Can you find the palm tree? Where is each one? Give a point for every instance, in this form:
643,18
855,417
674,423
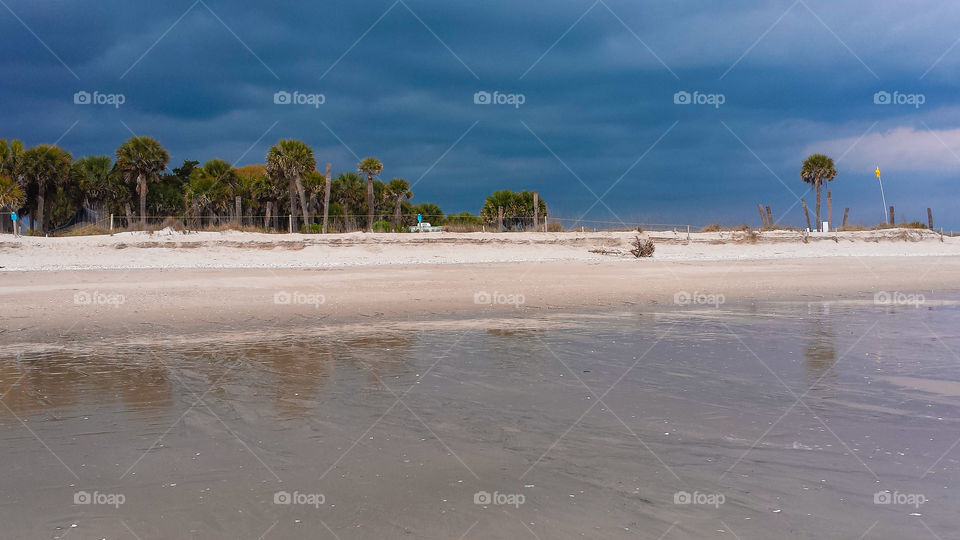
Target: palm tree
142,159
371,168
291,160
94,178
11,196
40,167
10,154
816,170
262,189
398,190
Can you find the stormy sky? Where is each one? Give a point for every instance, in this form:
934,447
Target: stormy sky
588,91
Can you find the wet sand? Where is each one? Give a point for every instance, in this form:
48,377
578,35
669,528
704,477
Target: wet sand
598,421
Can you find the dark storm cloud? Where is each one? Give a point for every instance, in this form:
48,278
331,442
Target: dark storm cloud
796,77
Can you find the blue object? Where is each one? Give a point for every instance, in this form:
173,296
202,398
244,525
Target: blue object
419,218
14,216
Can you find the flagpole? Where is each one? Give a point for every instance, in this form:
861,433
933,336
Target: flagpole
886,217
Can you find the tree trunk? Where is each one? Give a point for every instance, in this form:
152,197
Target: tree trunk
396,212
291,190
129,213
41,202
369,204
142,189
303,203
326,200
818,205
266,221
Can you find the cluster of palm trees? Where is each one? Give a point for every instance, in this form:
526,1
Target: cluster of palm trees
46,184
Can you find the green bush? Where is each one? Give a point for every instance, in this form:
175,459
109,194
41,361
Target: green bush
382,226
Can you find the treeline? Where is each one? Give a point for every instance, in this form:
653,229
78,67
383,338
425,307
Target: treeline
45,183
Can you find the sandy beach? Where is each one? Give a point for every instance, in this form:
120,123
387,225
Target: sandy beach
193,283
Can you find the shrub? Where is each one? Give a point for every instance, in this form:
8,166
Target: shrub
382,226
642,247
713,227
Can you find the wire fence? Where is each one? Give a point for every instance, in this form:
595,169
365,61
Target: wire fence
340,223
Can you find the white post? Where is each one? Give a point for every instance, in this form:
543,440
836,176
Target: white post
886,216
290,219
111,224
688,233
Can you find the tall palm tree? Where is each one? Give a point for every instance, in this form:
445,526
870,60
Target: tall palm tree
142,159
816,170
291,160
398,191
371,168
41,167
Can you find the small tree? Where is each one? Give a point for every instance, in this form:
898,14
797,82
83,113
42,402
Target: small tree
816,170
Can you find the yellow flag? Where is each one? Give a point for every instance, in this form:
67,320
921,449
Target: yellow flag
878,172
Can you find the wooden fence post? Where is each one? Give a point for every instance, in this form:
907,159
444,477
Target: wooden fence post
846,214
326,200
238,209
930,218
893,220
769,216
763,217
806,213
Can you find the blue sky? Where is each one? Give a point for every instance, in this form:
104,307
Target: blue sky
598,133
